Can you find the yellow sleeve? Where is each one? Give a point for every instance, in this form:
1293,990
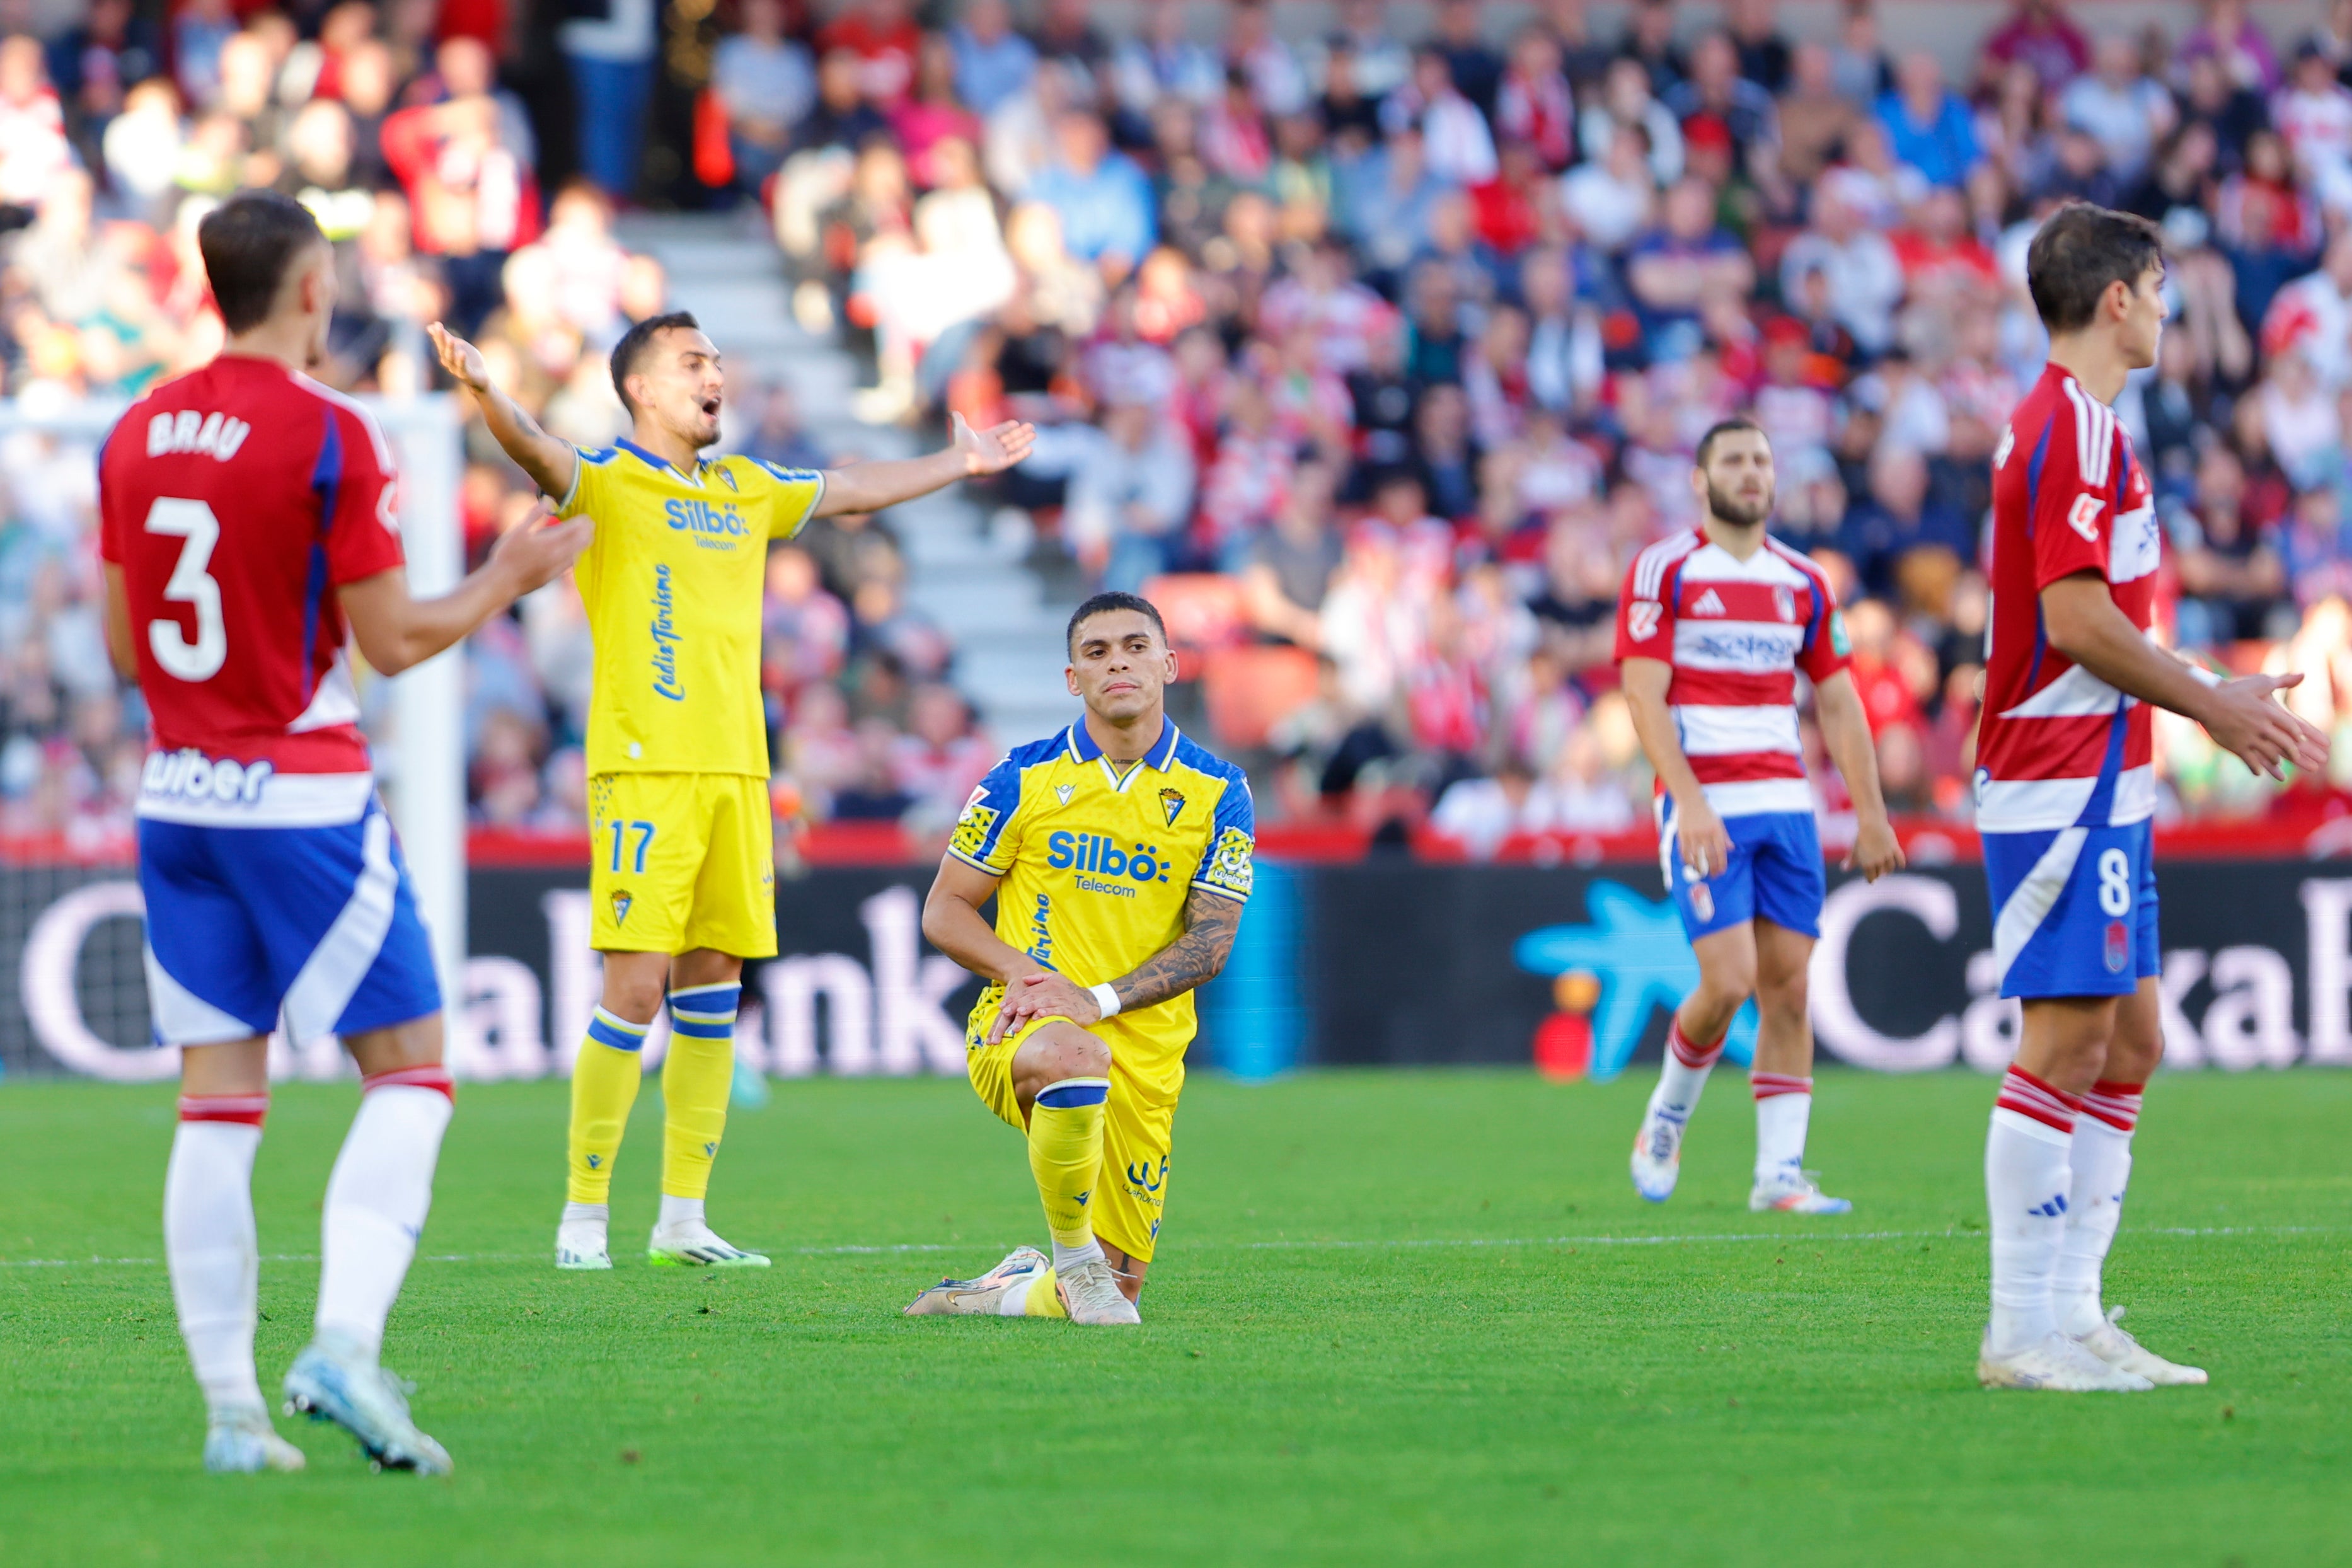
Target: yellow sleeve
591,484
791,495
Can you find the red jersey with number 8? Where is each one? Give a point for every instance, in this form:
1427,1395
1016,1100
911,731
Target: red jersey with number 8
238,499
2057,745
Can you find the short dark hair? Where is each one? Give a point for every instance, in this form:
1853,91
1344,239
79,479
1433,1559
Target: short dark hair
249,242
1723,427
2079,250
1112,599
637,342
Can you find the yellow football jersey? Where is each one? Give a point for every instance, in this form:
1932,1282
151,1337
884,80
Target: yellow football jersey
672,586
1096,869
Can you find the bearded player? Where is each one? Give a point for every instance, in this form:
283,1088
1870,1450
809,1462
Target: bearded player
1119,855
248,524
2065,790
1712,627
682,872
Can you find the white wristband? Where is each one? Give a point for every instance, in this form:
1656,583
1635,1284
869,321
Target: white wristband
1105,998
2205,677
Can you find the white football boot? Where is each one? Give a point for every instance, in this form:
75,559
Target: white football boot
581,1242
1002,1292
1794,1192
243,1443
2058,1365
1090,1294
1658,1153
2111,1344
692,1244
333,1381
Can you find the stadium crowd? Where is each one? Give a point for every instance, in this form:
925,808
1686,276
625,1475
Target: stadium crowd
1374,357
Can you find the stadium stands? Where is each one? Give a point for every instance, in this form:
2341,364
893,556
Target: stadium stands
1373,358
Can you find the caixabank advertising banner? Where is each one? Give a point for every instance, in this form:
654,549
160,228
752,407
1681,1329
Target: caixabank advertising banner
1380,963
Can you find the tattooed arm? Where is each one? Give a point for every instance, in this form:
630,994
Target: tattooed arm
1194,959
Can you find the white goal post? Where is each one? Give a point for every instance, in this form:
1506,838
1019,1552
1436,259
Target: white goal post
421,757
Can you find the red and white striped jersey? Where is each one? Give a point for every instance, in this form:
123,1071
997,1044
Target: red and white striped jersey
2057,746
236,499
1736,633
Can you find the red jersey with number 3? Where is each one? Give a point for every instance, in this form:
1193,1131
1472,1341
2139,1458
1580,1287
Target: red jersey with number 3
2057,745
238,499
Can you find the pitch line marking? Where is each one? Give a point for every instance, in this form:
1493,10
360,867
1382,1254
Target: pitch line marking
1339,1245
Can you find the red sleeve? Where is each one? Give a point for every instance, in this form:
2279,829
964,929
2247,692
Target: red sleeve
363,529
2073,500
1646,626
1827,649
112,546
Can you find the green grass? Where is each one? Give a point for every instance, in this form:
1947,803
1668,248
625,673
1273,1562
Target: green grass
1475,1376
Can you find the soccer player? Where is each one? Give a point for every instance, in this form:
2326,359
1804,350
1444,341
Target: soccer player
1712,625
1119,856
2065,787
683,869
249,527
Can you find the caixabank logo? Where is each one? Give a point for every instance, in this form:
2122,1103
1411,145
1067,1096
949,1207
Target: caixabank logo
1608,974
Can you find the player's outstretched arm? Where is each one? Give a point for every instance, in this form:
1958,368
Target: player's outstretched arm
553,464
1211,920
1845,731
396,632
1705,843
2082,623
870,487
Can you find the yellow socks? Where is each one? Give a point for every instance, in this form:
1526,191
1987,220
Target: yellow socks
603,1088
1065,1144
696,1080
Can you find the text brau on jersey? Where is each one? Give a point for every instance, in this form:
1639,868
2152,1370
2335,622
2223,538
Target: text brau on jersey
214,435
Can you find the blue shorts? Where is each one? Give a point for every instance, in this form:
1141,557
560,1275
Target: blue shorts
1775,873
2074,909
245,923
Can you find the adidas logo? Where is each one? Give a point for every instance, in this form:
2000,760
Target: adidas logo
2053,1209
1708,604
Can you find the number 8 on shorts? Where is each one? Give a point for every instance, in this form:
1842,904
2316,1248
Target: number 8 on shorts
2074,910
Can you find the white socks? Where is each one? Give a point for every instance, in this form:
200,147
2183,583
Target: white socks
2027,1181
680,1211
377,1200
1784,1106
210,1243
1685,1073
2102,1165
597,1213
1068,1257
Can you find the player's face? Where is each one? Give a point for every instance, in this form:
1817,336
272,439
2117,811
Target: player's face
1737,482
681,384
2144,313
1119,664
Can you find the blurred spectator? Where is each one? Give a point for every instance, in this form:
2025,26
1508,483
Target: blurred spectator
2039,36
2231,580
992,62
2118,107
609,47
885,41
1927,126
768,85
1102,198
1129,496
2231,38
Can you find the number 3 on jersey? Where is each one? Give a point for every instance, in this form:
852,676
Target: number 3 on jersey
191,584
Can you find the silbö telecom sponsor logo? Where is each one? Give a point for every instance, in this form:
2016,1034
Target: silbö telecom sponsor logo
1096,857
666,638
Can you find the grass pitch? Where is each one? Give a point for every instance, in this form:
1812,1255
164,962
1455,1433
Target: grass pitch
1399,1317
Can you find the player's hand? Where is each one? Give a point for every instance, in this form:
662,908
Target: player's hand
1875,850
995,449
538,550
461,359
1699,834
2246,722
1048,995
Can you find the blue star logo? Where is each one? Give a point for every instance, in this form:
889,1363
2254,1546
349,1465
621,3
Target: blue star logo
1643,960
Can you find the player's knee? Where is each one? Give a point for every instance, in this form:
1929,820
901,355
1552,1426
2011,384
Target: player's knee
636,997
1782,995
1723,986
1074,1053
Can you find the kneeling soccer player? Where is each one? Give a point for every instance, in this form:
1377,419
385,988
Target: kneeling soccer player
1119,855
1713,625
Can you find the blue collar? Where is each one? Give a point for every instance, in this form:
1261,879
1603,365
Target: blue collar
650,460
1163,753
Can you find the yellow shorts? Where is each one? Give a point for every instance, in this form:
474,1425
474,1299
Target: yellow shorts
682,860
1139,1126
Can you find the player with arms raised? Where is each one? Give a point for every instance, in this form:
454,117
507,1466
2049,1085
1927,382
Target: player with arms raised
1119,855
1712,626
248,518
2065,790
683,873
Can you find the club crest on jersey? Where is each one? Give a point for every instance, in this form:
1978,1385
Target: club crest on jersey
2118,952
1172,804
1702,900
1642,619
621,902
1063,792
1784,604
1708,604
